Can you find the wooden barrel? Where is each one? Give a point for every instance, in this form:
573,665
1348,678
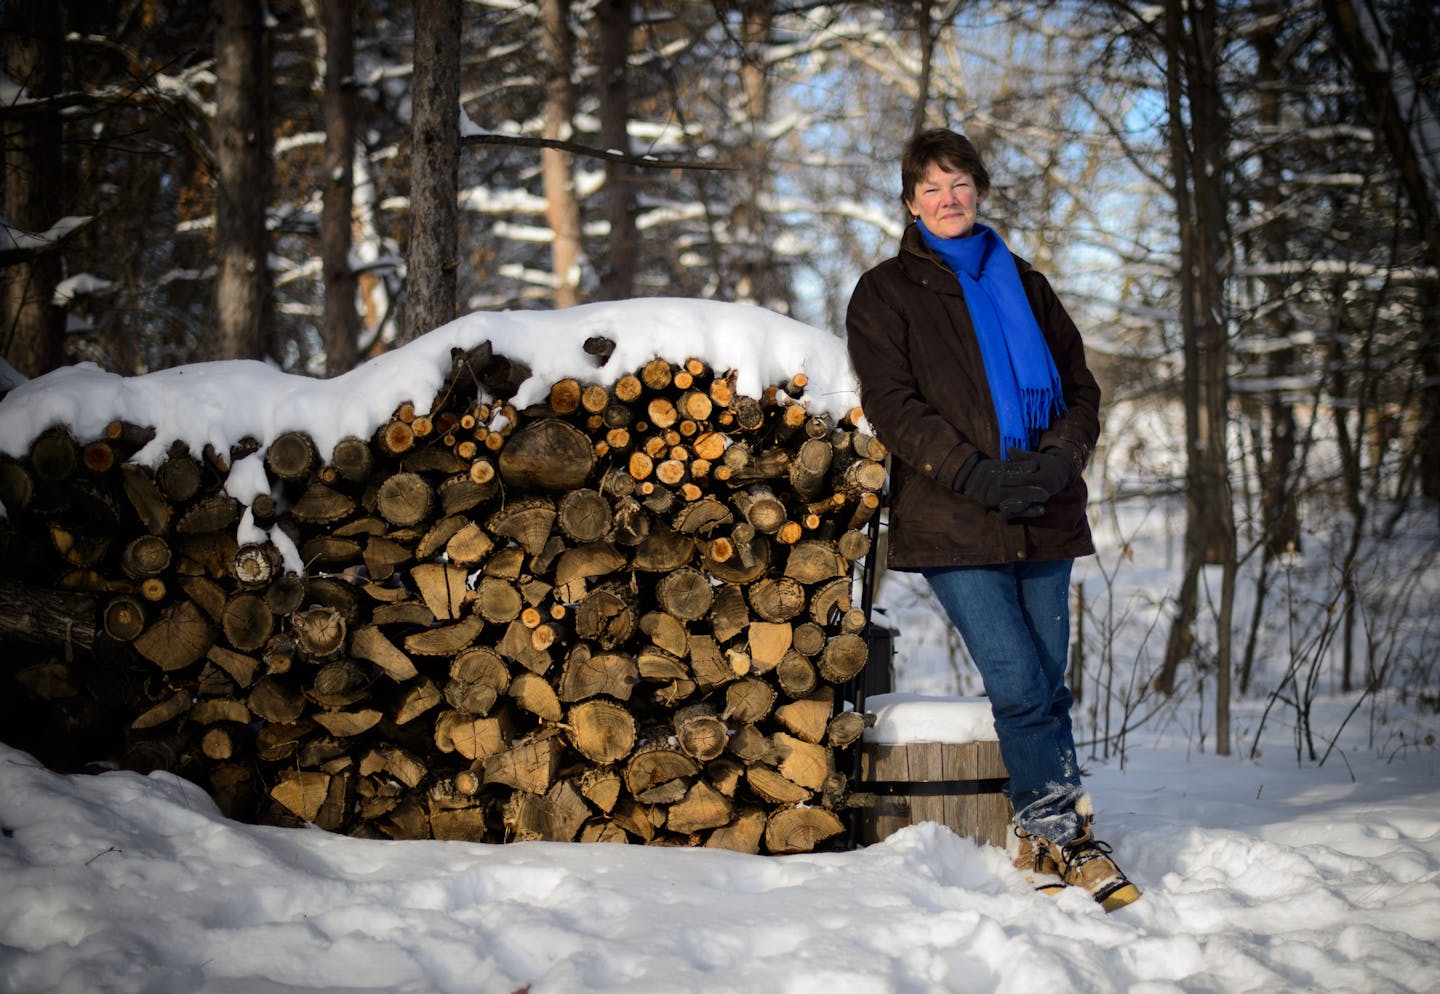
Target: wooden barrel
958,784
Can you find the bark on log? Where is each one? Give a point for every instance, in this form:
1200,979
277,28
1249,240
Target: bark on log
51,619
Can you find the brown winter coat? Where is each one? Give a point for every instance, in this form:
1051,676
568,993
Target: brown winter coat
923,388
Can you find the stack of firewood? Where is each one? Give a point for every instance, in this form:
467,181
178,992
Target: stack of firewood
623,615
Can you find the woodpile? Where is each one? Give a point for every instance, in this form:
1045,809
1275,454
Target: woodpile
622,615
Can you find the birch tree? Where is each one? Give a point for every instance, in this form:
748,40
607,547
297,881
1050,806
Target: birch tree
562,209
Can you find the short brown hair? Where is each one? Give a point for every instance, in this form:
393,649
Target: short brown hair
946,148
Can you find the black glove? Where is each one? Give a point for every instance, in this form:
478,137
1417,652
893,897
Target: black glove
1051,470
1006,487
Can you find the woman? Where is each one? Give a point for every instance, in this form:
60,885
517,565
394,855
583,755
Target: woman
974,377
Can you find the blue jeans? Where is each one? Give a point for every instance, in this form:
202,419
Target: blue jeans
1015,620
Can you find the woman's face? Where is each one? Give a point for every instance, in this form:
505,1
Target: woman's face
946,200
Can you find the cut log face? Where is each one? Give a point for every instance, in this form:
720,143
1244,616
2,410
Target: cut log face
527,521
178,638
796,830
320,631
602,731
124,618
146,555
321,504
404,499
534,693
585,561
777,598
685,593
584,516
607,616
623,613
702,807
586,675
302,792
550,455
655,765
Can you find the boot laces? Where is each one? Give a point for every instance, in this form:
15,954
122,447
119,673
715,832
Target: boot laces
1037,852
1083,850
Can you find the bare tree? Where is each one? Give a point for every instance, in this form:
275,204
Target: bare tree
33,326
243,162
432,256
341,327
562,209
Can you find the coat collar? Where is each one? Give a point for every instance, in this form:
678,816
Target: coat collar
920,263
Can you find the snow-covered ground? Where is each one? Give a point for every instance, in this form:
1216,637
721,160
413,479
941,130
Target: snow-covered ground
1258,876
1271,874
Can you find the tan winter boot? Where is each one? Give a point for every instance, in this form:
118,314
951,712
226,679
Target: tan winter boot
1031,855
1085,862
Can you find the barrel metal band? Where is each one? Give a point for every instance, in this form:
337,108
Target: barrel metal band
933,788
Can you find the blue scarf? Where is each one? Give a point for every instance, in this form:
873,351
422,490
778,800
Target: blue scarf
1024,383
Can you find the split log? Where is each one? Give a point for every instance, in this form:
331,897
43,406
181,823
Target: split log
587,675
527,521
808,717
369,643
702,807
533,693
442,587
742,834
530,765
796,830
178,638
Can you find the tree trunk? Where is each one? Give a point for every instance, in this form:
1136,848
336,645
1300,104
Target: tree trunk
617,279
341,329
1198,160
926,38
557,167
242,151
1406,111
1280,513
432,257
758,278
33,326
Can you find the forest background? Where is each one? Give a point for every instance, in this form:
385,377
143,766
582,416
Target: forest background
1239,202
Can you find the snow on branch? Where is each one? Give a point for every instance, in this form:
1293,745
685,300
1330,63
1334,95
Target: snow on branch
607,154
17,244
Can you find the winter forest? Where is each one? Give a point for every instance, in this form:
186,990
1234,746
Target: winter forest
242,239
1240,202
